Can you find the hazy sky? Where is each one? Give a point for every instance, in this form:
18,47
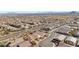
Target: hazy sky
39,5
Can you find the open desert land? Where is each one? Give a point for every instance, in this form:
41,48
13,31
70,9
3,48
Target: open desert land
39,30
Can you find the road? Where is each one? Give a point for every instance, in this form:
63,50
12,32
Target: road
18,33
47,42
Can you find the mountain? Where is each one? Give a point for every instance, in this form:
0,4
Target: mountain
38,13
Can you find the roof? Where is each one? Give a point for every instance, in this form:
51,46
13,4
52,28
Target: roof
64,29
70,38
60,36
75,33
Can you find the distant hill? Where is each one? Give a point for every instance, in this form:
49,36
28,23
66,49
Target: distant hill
40,13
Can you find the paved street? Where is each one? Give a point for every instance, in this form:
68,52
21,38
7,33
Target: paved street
47,42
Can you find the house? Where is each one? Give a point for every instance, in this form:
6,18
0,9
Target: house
64,30
71,40
60,37
75,33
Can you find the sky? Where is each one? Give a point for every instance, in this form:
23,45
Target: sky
38,5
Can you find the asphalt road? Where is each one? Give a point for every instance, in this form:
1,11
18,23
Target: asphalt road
47,42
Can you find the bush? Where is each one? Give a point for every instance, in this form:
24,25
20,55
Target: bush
46,29
4,44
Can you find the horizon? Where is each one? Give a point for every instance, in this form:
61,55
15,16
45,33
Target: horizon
39,11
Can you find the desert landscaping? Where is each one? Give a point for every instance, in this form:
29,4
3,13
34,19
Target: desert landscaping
39,31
